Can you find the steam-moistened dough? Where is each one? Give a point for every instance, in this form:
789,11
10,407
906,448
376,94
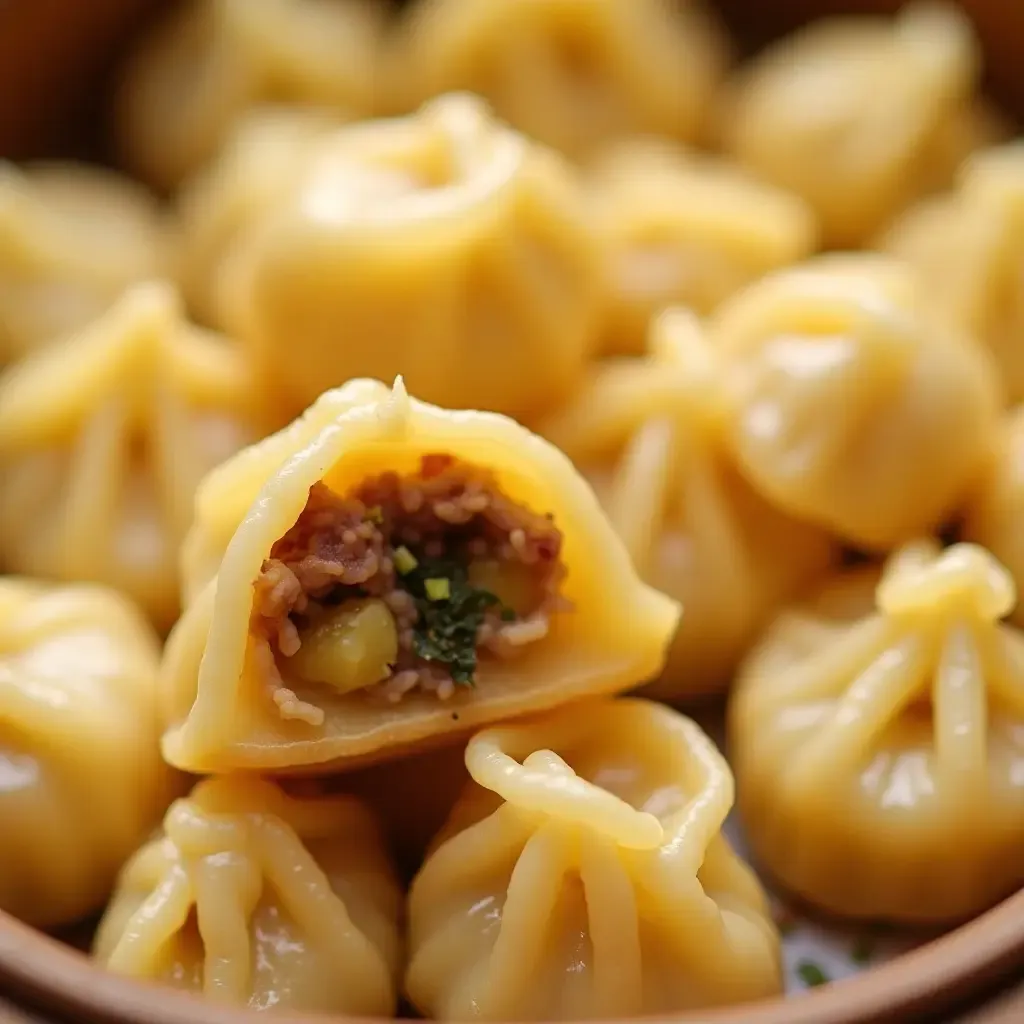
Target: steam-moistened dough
211,60
261,900
262,153
877,734
103,439
82,779
686,230
571,73
71,238
647,434
852,402
860,115
417,572
584,875
969,249
442,246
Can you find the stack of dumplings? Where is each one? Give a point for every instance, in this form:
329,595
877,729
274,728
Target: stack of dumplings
455,400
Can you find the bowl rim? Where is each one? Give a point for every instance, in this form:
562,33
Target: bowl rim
44,974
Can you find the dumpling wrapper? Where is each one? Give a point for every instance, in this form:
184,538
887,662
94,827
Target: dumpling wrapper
852,403
584,874
877,735
83,783
219,712
648,435
258,899
104,437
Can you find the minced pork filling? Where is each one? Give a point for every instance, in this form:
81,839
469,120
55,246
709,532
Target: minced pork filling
462,569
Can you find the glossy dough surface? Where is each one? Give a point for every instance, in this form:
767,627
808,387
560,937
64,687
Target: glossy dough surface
81,780
852,403
877,735
222,714
262,900
584,874
648,435
443,246
103,439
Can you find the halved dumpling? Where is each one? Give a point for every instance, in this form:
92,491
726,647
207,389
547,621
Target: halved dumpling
392,573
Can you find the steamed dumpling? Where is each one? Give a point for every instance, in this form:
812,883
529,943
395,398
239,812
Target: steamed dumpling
72,237
584,875
852,403
648,435
261,900
571,73
83,783
442,246
877,734
103,439
384,573
210,61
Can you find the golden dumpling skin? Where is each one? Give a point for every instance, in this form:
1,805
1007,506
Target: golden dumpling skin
104,437
374,486
210,61
72,237
686,230
442,246
877,735
852,402
647,433
261,900
584,874
573,74
83,783
860,115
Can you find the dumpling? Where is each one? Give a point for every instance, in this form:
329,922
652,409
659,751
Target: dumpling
851,402
383,574
647,434
260,156
71,238
103,439
860,115
686,230
442,246
969,249
83,783
259,899
211,60
584,875
571,73
877,735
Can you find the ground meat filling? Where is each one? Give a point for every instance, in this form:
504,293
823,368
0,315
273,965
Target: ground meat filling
426,545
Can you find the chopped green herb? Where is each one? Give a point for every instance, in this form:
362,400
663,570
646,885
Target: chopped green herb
508,615
811,974
438,588
405,561
375,514
863,950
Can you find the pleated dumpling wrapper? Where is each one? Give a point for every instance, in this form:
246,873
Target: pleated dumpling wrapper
573,74
969,248
392,573
104,437
584,875
210,61
877,734
72,238
647,434
83,783
860,115
442,246
682,229
262,900
852,402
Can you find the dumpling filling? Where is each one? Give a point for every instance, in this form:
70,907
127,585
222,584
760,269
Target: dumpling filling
404,584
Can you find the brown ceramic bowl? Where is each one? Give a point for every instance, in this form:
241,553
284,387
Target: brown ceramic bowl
53,58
